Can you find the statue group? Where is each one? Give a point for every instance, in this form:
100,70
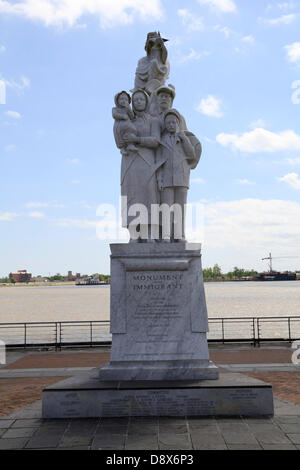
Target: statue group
159,358
157,151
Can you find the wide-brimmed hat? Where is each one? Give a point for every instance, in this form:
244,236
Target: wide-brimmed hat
167,89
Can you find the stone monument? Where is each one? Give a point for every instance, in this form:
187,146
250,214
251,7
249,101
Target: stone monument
159,362
158,309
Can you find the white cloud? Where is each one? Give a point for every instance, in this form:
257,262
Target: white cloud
248,39
190,21
36,215
295,97
245,182
81,26
75,182
74,161
293,52
7,216
192,55
258,123
2,48
210,106
242,225
293,161
261,140
68,12
37,204
106,229
197,180
13,114
284,19
292,179
286,5
224,6
18,86
223,29
253,223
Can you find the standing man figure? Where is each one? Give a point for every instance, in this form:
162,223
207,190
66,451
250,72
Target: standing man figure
163,102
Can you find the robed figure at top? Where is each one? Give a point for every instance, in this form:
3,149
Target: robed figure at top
153,70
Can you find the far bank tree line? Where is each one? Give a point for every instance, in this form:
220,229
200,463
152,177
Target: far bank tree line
56,278
215,273
59,277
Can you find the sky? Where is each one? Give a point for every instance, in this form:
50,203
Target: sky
236,68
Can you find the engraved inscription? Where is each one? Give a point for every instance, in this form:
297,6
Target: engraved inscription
182,402
158,320
156,294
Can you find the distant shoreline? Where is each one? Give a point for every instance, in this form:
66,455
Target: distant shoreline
72,283
37,284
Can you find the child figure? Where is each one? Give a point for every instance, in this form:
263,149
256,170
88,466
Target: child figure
123,116
177,155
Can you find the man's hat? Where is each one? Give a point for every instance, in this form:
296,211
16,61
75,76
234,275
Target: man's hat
167,89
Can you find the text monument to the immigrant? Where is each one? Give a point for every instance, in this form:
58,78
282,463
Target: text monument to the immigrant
159,363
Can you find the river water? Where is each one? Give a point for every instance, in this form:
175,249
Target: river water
68,303
224,299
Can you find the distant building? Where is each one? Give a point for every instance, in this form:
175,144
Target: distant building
21,276
71,277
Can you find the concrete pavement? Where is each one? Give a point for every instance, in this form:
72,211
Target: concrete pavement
25,428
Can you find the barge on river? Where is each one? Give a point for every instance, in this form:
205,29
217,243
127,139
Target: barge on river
274,275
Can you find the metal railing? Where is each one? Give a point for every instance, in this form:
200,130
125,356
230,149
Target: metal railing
95,333
55,334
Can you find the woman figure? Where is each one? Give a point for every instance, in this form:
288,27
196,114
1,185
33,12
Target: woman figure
138,171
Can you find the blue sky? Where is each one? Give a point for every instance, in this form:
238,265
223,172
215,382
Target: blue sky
236,68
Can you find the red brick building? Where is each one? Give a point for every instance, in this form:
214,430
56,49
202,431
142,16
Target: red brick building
71,277
21,276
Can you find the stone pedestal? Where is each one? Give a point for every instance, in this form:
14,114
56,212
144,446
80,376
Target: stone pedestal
158,314
159,359
90,397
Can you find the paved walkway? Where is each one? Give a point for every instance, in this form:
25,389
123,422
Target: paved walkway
25,429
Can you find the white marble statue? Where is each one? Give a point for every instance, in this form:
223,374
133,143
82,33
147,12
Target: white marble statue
123,116
153,70
162,101
157,150
178,153
138,169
